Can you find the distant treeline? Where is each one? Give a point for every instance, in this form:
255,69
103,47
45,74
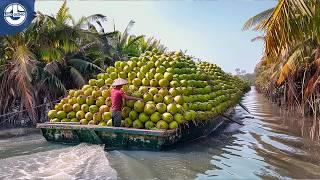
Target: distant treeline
250,77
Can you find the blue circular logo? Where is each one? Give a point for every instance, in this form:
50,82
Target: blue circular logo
17,15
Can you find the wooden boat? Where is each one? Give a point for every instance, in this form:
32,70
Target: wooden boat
129,138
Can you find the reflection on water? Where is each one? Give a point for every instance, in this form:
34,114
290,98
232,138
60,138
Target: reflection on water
268,146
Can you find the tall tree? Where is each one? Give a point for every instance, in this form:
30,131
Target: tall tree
40,63
292,45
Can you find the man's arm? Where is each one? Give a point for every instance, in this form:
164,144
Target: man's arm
130,97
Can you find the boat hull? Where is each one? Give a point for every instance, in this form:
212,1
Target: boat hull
128,138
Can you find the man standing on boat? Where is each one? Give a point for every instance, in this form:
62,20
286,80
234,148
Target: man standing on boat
117,95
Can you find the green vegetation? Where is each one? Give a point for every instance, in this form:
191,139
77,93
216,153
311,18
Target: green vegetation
289,68
57,53
250,77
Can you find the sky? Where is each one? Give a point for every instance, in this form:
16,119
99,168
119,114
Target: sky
207,29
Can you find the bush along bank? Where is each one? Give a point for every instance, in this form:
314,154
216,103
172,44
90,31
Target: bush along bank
175,90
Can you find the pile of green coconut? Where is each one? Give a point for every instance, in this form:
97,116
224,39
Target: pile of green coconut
175,91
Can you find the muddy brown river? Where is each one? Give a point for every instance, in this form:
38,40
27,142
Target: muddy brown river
270,145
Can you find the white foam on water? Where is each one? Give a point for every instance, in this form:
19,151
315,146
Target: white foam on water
78,162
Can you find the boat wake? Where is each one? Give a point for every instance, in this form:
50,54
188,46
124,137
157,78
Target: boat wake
82,161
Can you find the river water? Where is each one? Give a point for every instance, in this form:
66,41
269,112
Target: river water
268,146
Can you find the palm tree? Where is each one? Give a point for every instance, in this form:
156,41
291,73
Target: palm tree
150,44
116,45
57,53
17,78
292,45
65,43
123,44
39,64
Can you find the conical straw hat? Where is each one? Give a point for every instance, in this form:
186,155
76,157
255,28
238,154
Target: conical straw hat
119,82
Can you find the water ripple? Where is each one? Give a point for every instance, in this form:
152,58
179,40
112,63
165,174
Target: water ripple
82,161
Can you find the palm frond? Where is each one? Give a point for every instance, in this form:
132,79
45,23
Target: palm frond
49,80
126,33
20,78
83,66
257,19
291,63
91,21
26,92
134,40
77,77
111,34
63,15
97,17
258,38
50,54
81,22
54,67
22,57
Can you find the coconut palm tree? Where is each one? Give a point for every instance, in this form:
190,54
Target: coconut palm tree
292,45
116,45
39,64
66,41
123,44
